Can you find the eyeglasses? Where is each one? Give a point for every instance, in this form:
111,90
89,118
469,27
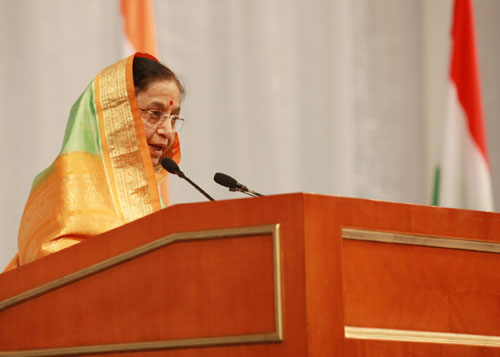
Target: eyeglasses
156,117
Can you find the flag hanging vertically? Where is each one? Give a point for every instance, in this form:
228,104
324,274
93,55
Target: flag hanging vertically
140,36
463,177
139,27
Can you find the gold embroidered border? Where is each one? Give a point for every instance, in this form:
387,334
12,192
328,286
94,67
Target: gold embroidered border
106,156
275,336
126,164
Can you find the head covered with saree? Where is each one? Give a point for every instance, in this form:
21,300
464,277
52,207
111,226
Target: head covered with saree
107,173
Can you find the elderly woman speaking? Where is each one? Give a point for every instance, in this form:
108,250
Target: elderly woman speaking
108,171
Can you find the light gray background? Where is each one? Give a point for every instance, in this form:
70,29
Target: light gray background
339,97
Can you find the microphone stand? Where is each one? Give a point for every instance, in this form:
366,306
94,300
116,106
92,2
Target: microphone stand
181,175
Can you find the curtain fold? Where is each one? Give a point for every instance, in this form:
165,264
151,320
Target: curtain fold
337,97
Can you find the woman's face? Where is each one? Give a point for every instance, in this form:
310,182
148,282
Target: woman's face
160,96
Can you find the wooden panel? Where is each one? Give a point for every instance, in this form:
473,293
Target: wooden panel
244,308
324,278
421,288
211,288
186,290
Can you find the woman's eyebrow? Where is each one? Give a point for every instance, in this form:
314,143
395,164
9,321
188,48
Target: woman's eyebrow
157,104
163,107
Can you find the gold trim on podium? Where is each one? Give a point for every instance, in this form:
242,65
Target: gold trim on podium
420,240
274,336
382,334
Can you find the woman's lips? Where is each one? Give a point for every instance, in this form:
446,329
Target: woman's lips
155,150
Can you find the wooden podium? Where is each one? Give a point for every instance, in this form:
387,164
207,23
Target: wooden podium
286,275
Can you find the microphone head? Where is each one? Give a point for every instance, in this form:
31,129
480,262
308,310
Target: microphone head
170,165
225,180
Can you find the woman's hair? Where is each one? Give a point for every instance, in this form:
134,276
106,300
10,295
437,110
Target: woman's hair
147,71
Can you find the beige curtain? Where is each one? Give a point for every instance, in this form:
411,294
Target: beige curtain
338,97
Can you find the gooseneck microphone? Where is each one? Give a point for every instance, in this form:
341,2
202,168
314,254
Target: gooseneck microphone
233,185
172,167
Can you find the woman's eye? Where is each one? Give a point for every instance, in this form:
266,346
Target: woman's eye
156,113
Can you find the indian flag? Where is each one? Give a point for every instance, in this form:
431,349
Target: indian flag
140,36
463,178
139,27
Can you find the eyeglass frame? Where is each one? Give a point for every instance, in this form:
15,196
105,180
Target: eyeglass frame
163,117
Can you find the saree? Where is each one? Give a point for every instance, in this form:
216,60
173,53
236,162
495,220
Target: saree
103,177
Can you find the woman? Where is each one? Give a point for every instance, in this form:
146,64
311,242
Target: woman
108,171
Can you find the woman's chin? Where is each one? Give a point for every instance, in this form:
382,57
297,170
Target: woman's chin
155,160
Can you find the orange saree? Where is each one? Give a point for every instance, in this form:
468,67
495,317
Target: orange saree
103,176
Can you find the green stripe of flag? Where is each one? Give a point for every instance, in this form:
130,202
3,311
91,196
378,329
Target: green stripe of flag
435,196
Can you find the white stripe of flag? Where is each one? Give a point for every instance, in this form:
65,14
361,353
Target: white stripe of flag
463,179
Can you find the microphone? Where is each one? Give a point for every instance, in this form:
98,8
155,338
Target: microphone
233,185
172,167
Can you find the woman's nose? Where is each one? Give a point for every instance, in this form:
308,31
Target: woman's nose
165,129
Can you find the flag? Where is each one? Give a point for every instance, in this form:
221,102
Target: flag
140,36
139,27
463,178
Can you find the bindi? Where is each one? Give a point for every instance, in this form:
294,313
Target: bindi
171,102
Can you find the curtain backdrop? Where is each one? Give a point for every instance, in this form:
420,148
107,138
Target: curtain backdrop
338,97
